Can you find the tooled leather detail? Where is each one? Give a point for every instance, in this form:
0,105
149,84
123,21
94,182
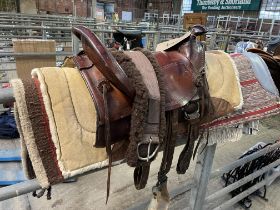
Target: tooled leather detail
101,84
178,77
82,62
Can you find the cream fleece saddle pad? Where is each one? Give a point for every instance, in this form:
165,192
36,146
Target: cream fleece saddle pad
70,119
223,81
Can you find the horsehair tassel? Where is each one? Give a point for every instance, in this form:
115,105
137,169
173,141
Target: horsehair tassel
34,193
161,198
42,192
49,193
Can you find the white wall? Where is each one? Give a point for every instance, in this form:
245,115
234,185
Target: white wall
270,9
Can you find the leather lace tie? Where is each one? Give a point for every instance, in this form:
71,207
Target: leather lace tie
107,137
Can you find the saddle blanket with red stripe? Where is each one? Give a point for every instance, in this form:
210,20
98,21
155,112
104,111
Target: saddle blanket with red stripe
258,103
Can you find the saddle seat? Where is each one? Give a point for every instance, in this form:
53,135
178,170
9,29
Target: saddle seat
272,60
273,44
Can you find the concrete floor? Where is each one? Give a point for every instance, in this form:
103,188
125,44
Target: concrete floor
89,191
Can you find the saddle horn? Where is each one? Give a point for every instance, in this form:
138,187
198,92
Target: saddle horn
103,60
198,30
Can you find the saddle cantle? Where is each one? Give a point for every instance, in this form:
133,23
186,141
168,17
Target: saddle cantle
104,61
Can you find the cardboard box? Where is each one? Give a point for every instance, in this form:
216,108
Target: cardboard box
191,19
25,63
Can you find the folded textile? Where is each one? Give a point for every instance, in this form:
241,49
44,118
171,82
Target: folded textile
163,46
8,128
28,145
258,104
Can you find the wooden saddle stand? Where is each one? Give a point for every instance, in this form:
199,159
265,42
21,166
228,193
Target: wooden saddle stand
175,90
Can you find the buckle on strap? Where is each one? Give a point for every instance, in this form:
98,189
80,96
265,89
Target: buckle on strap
152,139
194,115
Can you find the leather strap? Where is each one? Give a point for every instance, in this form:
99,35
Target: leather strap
168,148
186,155
106,88
147,147
103,60
141,175
151,128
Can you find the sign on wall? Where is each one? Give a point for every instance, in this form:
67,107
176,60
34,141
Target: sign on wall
126,16
203,5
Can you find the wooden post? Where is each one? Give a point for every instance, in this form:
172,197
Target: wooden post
227,40
93,9
156,39
75,45
25,63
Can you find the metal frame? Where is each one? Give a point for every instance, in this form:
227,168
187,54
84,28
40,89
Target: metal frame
203,174
228,21
198,185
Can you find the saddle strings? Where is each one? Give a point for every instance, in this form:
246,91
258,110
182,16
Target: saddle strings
168,147
107,138
203,92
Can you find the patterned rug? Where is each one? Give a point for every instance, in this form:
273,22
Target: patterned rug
258,104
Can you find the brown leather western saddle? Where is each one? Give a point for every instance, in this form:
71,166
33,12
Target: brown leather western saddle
178,96
272,61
